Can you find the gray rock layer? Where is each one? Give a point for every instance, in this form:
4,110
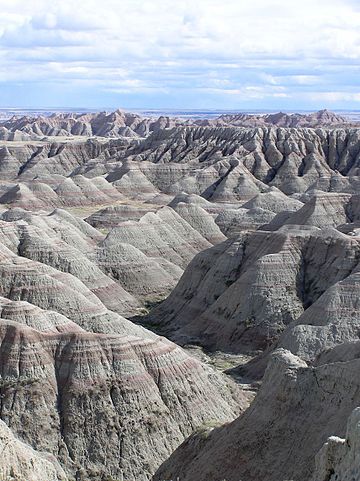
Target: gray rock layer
296,410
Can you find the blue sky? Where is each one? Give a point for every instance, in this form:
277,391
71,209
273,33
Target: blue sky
206,54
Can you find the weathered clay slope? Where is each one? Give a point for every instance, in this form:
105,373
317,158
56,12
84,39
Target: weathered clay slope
102,124
291,159
164,234
48,288
66,192
41,320
126,124
322,118
321,210
39,238
241,294
145,257
333,319
26,160
227,165
339,459
19,461
140,395
115,214
70,366
201,221
277,438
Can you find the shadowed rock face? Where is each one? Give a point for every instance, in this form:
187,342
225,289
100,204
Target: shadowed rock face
290,159
277,438
321,210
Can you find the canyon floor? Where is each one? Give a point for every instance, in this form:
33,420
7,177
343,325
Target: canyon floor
179,299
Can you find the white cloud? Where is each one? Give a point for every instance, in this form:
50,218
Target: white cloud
231,46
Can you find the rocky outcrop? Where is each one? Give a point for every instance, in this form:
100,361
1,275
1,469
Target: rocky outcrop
332,320
252,233
149,278
69,192
140,395
273,200
321,210
114,215
19,461
148,256
322,118
126,124
103,124
71,365
220,164
292,160
241,294
201,221
233,222
161,235
296,410
339,459
39,238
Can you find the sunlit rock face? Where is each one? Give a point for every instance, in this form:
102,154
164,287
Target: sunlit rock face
19,461
246,228
61,384
242,294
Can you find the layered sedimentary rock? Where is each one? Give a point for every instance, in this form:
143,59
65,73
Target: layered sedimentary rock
140,395
115,214
220,164
41,320
164,234
233,222
277,438
241,294
322,118
332,320
75,191
30,159
70,366
126,124
321,210
201,221
103,124
160,198
19,461
39,238
273,200
147,278
292,160
148,256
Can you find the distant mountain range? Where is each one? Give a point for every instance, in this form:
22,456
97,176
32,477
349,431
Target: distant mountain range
126,124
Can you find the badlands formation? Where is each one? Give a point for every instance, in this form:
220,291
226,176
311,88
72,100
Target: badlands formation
179,299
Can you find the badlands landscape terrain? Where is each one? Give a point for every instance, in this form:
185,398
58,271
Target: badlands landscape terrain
180,299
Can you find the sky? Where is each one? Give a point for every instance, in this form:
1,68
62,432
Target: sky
189,54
